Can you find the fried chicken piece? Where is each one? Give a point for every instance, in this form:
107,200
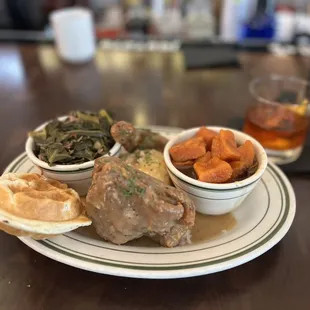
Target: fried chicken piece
132,138
126,204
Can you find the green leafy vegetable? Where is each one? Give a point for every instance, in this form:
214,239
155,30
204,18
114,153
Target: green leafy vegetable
148,157
81,137
132,188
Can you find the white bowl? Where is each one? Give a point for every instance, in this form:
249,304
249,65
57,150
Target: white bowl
216,199
77,176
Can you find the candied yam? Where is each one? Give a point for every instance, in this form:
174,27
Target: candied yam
247,153
205,158
188,150
229,146
214,171
207,135
238,169
183,164
224,147
216,147
228,136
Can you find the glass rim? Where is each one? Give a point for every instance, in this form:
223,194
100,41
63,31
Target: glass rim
273,77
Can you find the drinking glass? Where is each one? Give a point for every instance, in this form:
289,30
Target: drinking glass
278,119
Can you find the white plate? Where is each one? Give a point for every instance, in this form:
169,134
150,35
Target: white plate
262,221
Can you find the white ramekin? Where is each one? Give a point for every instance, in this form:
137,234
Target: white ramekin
216,199
77,176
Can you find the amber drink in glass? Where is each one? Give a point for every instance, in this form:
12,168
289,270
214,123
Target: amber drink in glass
279,118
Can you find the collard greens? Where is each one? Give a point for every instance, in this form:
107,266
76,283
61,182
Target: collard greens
82,137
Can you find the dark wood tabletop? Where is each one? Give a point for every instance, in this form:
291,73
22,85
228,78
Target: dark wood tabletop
147,89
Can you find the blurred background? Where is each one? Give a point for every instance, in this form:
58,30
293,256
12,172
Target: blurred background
230,21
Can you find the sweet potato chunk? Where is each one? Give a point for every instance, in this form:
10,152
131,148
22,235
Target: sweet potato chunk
188,150
216,147
247,153
207,135
214,171
183,164
224,146
205,158
238,169
229,136
215,157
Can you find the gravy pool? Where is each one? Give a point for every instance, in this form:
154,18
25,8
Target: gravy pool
206,227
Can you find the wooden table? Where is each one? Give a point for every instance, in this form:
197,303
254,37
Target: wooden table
145,89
